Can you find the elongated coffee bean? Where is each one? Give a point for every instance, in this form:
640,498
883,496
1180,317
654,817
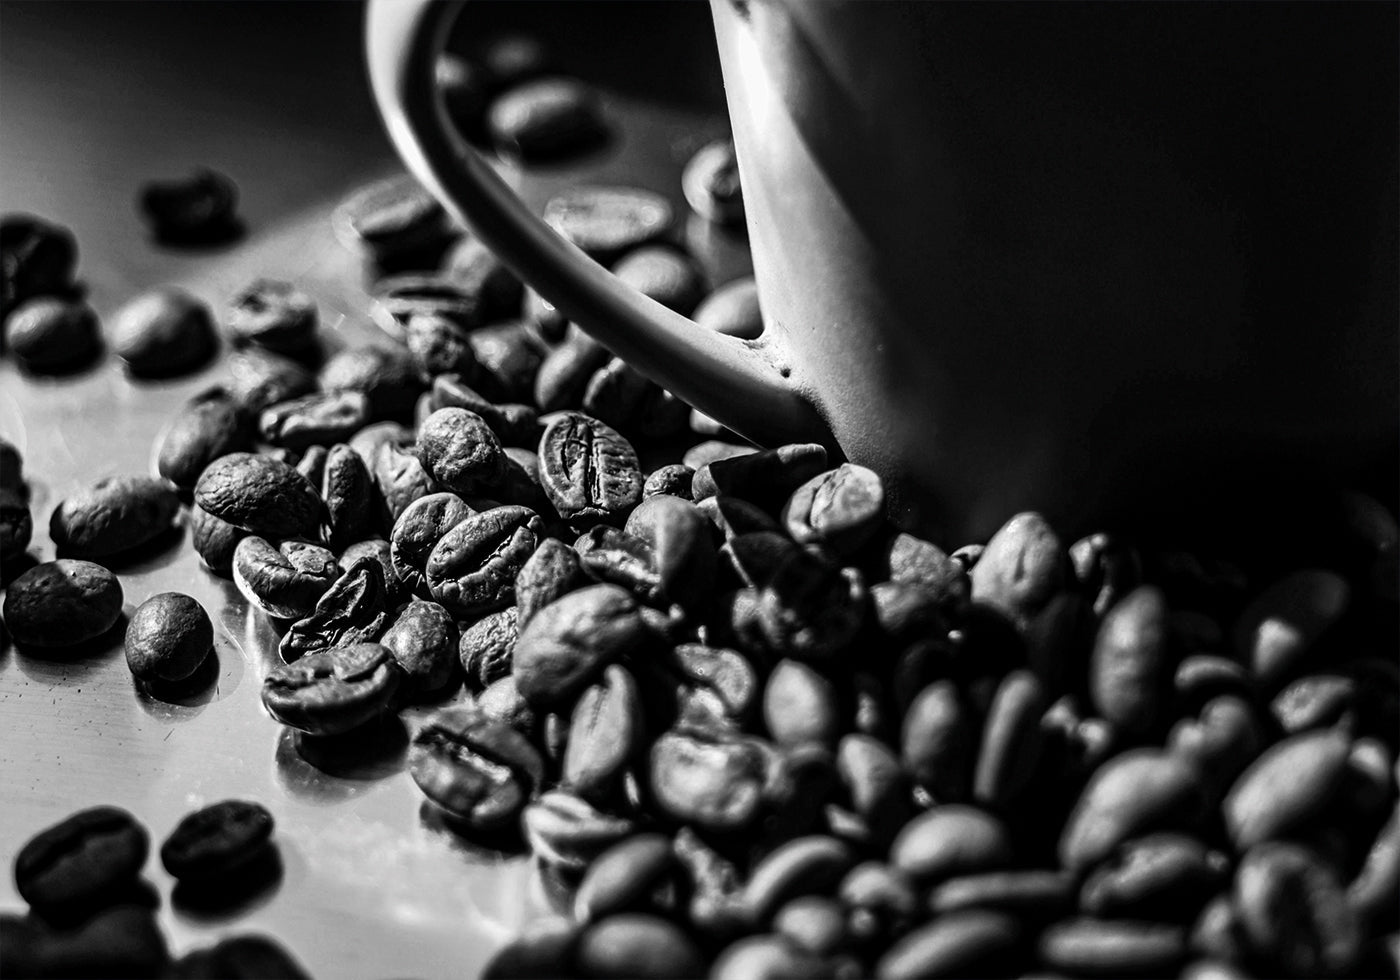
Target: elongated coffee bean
1129,672
353,610
479,770
472,569
334,690
959,944
1134,793
605,732
1286,787
1294,912
589,471
572,640
418,530
260,495
113,515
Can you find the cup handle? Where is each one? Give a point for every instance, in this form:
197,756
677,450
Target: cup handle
740,383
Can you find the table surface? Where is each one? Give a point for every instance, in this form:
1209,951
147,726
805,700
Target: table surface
99,98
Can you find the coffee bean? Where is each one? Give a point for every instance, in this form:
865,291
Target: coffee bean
663,274
507,362
332,690
545,118
567,833
809,609
1012,740
121,941
766,478
621,396
398,299
274,315
472,568
716,682
569,642
479,770
711,780
37,258
680,542
283,583
1161,877
875,783
214,540
607,221
802,779
459,451
805,866
948,841
605,732
387,377
487,648
882,901
1294,912
1316,701
1202,678
259,495
625,877
609,555
636,945
1226,738
241,958
113,515
51,335
1134,793
395,220
671,480
710,182
261,379
958,944
589,470
1130,670
479,272
328,417
163,333
1371,893
423,639
1285,788
566,372
1278,629
349,496
217,841
80,863
551,572
418,530
207,427
198,210
62,603
1026,894
354,610
400,479
938,743
1090,948
767,955
168,638
816,923
1022,568
438,345
513,424
800,705
841,508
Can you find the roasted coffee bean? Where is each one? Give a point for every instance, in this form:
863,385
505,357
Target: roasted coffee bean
609,555
547,117
1022,568
418,530
710,183
459,451
481,771
514,424
1294,912
1161,878
215,540
400,479
800,705
841,508
198,210
664,274
1371,893
720,683
766,478
210,426
1025,894
423,639
711,451
438,345
168,638
551,572
805,866
672,480
349,496
51,335
385,376
219,840
567,833
395,220
479,272
882,901
976,942
733,517
948,841
285,583
913,561
626,877
679,537
398,299
261,379
259,495
1279,628
1226,738
113,515
732,309
122,941
37,258
354,610
163,333
1201,678
605,732
545,948
635,945
810,609
376,549
507,362
332,690
249,957
82,862
589,470
709,779
1090,948
324,418
621,396
566,372
1285,788
1134,793
16,524
801,780
1107,569
62,603
501,701
767,955
607,221
1012,740
815,923
487,648
569,642
1130,669
1316,701
472,568
274,315
875,783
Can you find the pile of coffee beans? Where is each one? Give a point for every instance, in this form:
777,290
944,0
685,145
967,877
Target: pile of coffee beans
744,725
91,914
